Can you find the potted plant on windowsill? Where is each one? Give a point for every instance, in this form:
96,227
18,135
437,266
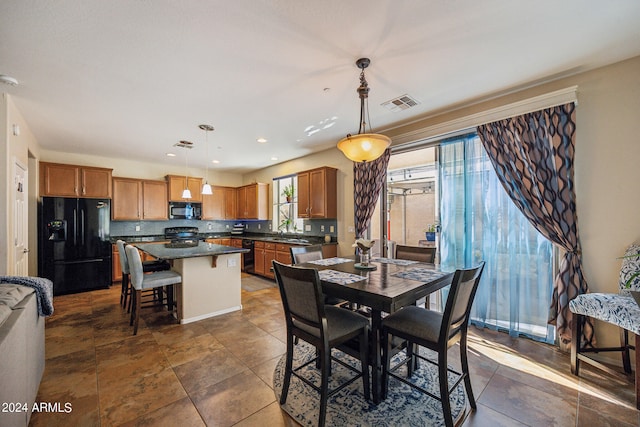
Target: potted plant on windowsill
287,192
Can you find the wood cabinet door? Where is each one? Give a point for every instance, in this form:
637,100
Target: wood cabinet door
154,200
303,195
329,251
230,203
96,182
116,268
59,180
213,205
241,203
251,208
283,254
127,199
322,193
269,256
177,184
258,260
236,243
195,186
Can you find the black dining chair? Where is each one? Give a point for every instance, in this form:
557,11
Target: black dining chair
435,331
415,253
302,254
323,326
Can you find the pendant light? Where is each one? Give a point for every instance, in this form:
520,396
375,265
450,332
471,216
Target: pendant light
206,188
363,147
186,193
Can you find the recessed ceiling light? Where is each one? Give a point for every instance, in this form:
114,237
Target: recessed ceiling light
261,140
274,159
171,155
8,80
215,161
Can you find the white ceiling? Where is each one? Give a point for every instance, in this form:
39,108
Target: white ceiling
130,78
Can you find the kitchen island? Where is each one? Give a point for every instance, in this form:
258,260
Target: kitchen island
210,277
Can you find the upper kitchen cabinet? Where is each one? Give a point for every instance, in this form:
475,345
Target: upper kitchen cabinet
220,205
136,199
177,185
317,193
62,180
253,201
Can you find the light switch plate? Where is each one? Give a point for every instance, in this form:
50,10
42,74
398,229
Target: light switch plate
231,262
322,228
307,227
351,229
331,229
137,228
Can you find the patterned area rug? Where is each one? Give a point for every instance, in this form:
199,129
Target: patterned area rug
404,406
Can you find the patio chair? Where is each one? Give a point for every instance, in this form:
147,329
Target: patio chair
619,309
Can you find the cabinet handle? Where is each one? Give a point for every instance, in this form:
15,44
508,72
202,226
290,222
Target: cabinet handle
84,190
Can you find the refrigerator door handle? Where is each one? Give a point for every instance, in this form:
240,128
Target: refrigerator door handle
75,227
82,216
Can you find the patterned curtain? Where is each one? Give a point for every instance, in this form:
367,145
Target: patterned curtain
533,157
368,178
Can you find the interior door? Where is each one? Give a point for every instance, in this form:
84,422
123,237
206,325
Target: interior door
20,215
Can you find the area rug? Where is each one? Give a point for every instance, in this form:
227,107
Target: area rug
404,406
253,283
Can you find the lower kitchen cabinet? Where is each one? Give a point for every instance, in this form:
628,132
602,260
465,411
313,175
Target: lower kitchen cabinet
264,254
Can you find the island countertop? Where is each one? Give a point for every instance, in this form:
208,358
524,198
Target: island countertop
169,251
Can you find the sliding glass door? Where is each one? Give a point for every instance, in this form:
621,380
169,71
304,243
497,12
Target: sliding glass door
452,183
480,222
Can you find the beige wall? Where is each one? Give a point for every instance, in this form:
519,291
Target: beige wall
16,148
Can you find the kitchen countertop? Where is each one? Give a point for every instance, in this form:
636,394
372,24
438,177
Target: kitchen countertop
305,240
165,251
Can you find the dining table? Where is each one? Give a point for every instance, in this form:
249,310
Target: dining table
385,286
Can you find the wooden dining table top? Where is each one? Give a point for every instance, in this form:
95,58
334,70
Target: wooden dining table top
383,288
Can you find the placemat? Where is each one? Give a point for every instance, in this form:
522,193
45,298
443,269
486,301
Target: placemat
394,261
420,274
339,277
330,261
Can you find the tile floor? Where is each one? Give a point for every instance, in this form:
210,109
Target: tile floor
218,372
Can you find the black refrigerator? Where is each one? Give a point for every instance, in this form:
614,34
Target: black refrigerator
74,249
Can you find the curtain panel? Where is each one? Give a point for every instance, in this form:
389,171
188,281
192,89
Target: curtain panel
368,178
533,157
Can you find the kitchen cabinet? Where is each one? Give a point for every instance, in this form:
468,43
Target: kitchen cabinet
136,199
283,253
221,205
237,243
253,201
177,184
62,180
224,241
154,200
264,253
329,251
317,193
116,268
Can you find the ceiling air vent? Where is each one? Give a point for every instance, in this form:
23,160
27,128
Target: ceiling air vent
184,144
400,103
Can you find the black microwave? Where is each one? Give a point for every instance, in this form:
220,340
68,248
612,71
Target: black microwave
185,210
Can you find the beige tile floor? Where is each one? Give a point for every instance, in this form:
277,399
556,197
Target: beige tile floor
218,372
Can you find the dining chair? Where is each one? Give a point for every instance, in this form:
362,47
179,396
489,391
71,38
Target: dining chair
435,331
415,253
141,281
302,254
619,309
323,326
147,266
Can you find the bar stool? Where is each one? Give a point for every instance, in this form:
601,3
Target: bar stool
141,281
147,267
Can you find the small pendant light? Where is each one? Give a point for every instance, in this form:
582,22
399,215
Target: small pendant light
206,188
186,193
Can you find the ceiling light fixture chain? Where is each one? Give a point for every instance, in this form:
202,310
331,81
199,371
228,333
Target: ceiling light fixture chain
364,147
